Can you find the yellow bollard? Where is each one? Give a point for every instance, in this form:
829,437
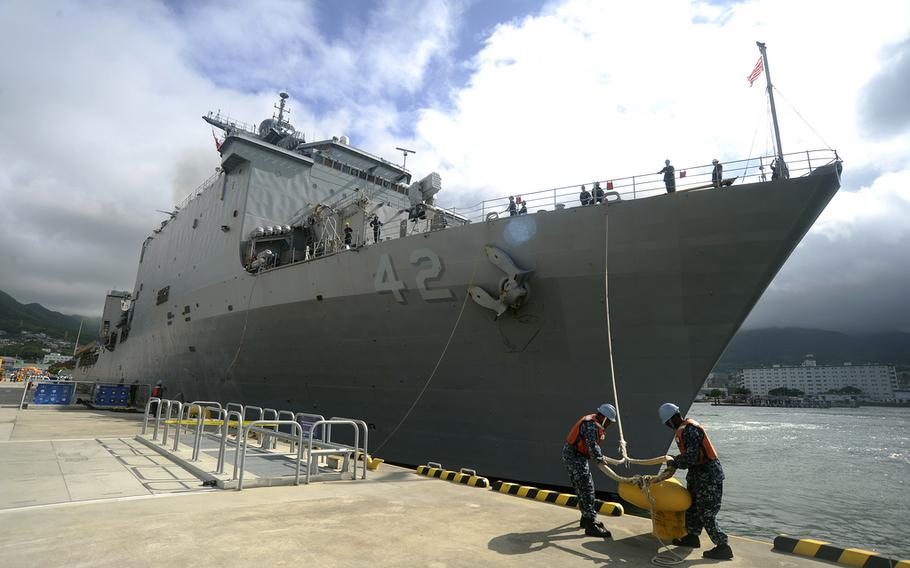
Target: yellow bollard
667,525
671,500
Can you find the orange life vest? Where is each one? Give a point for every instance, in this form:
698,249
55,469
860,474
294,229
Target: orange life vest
576,439
706,452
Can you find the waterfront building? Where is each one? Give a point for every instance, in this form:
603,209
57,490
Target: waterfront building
902,396
877,382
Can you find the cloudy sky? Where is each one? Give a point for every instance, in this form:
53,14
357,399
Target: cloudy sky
100,106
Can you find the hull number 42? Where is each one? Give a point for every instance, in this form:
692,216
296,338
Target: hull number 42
387,280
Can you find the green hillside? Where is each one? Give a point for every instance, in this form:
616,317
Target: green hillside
16,317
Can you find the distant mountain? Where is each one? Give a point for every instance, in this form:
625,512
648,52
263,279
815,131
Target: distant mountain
789,346
16,317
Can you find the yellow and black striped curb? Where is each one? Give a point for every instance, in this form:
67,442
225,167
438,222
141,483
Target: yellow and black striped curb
555,497
826,551
453,476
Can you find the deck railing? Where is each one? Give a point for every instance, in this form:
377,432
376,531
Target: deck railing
691,178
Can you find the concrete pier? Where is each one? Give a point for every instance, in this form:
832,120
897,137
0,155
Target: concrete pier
394,518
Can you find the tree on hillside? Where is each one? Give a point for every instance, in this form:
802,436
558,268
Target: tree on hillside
30,352
715,393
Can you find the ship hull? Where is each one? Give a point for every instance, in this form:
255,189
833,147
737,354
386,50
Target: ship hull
438,378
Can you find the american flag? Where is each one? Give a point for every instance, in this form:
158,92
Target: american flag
755,72
217,143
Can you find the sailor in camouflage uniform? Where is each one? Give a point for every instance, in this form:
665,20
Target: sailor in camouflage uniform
583,444
705,481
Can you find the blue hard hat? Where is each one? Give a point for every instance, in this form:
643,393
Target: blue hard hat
607,410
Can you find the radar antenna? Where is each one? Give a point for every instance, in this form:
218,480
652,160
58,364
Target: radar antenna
280,107
405,151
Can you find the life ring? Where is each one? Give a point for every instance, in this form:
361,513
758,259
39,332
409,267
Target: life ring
492,216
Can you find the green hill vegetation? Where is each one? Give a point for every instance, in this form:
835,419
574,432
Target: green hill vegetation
16,317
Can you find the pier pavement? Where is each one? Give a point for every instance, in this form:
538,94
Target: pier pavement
79,491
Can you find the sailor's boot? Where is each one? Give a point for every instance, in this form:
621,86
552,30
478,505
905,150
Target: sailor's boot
594,528
690,540
719,552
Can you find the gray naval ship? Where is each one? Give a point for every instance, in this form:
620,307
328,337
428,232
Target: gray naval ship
474,338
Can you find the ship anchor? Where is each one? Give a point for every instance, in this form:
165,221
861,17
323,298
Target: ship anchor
513,289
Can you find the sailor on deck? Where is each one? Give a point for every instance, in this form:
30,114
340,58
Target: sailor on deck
377,227
705,481
513,209
669,176
583,444
717,175
348,234
598,193
584,196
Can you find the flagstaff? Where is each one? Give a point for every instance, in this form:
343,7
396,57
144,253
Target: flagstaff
780,152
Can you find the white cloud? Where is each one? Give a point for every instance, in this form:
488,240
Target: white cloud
589,90
101,109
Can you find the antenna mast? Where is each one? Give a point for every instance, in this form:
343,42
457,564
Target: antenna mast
780,151
405,151
281,110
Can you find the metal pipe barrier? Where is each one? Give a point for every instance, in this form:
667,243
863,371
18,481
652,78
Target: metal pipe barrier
224,436
267,441
167,413
210,404
254,426
225,432
253,408
167,421
307,422
366,437
290,416
200,425
236,405
181,426
161,403
165,403
148,409
327,447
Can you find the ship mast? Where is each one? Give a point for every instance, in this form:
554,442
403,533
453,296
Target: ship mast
780,151
280,107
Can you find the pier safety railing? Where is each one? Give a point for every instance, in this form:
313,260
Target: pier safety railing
692,178
309,436
102,396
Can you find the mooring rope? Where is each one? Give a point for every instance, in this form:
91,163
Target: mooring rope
435,368
246,320
668,558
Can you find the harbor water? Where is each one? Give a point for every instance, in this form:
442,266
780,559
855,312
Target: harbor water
837,474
